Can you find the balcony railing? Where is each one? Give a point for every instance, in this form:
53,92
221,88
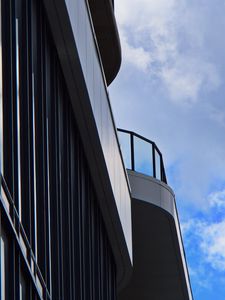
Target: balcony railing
141,155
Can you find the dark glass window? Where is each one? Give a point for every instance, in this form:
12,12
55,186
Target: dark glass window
4,260
59,233
23,287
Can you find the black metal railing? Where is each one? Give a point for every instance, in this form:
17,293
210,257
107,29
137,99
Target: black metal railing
141,155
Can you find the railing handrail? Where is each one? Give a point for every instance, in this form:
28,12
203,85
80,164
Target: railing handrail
154,148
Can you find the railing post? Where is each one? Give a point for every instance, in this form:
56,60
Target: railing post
153,159
132,151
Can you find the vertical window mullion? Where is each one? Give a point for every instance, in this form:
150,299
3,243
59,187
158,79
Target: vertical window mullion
18,159
33,158
5,262
48,138
8,46
46,172
25,115
34,168
2,270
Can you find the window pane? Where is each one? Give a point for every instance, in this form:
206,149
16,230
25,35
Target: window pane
23,287
18,116
4,266
157,165
124,140
143,157
2,269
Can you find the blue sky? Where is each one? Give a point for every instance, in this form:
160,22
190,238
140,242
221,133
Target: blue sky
171,89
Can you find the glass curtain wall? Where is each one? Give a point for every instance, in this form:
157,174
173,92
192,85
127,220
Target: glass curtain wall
51,224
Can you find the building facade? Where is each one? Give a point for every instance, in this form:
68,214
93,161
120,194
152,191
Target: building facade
61,235
159,265
65,208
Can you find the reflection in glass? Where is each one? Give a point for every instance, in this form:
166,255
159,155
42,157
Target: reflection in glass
18,115
23,287
2,252
4,266
124,140
34,165
157,165
143,157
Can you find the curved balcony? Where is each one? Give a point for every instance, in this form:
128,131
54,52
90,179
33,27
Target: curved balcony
102,13
159,265
141,155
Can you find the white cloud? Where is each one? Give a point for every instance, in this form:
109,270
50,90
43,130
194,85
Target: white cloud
201,276
187,77
217,199
213,244
143,13
187,226
209,238
135,55
153,38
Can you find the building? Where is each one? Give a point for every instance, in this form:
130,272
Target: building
159,264
65,209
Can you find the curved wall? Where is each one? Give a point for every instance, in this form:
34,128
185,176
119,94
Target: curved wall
104,22
159,265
